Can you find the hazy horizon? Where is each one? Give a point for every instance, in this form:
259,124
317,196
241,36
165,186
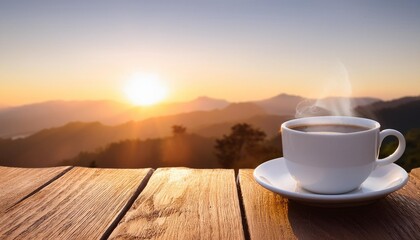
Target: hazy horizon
223,49
190,100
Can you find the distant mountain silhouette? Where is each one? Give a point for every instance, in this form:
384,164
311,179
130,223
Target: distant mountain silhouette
27,119
379,105
49,146
198,104
402,114
161,126
342,106
202,103
354,101
331,106
282,104
270,124
3,107
286,105
34,117
21,121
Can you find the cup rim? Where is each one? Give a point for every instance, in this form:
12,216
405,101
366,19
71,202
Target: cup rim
358,121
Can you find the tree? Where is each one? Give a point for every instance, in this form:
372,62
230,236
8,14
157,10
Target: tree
178,130
243,142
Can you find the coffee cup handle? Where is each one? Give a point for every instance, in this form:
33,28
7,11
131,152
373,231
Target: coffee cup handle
395,155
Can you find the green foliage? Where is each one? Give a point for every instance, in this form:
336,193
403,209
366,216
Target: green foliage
411,157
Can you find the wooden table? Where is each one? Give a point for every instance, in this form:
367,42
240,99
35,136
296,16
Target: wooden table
181,203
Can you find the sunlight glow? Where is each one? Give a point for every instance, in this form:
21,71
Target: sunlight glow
145,90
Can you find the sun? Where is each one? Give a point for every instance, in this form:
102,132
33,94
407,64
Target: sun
145,90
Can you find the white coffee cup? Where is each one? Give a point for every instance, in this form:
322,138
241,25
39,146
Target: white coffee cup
334,154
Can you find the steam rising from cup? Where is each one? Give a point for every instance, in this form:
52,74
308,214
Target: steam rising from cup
334,100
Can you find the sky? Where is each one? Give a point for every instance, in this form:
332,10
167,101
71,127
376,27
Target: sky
230,49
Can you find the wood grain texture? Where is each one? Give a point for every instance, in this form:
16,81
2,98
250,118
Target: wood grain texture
18,183
265,211
81,204
185,204
270,216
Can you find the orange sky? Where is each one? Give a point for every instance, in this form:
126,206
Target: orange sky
79,50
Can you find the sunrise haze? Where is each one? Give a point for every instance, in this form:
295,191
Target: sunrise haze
232,50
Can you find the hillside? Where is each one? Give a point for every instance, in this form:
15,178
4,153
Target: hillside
194,120
48,147
199,104
270,124
401,114
285,105
34,117
186,150
282,104
411,157
27,119
3,107
190,150
380,105
21,121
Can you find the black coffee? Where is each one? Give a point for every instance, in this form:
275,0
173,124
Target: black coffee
329,128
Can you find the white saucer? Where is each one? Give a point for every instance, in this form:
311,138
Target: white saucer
274,176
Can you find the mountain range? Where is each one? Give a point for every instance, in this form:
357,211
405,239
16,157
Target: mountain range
24,120
402,114
49,147
21,121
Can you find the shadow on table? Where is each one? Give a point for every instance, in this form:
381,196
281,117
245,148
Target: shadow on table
389,218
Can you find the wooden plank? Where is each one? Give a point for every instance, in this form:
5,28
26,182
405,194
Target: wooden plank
270,216
180,203
18,183
266,213
82,204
